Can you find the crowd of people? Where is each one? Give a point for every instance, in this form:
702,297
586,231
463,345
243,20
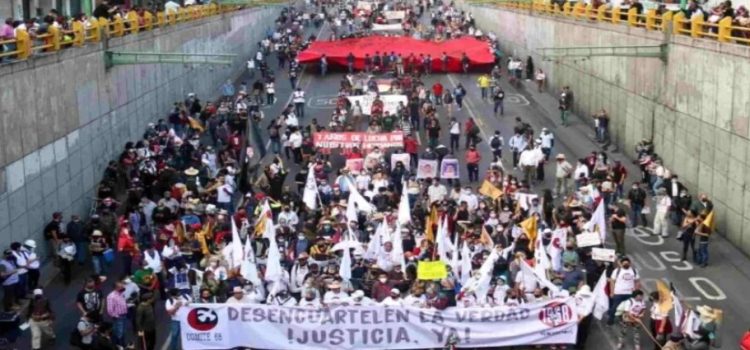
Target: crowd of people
174,202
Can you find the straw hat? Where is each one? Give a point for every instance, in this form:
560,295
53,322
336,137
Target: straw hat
708,314
191,171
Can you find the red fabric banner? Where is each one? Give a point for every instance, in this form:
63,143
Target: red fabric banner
363,140
477,51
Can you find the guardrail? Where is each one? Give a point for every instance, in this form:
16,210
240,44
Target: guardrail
26,45
697,27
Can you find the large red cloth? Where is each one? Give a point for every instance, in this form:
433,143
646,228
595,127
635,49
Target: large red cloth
477,51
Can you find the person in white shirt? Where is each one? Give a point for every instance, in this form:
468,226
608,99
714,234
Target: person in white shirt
291,120
563,172
282,298
623,281
517,144
472,202
359,299
663,202
415,299
548,141
436,192
500,291
629,312
295,141
239,297
224,196
385,259
173,305
298,98
335,295
297,276
580,174
394,299
309,300
29,247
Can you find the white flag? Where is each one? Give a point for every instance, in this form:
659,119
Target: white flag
556,247
540,277
310,196
238,254
404,212
345,267
598,222
540,257
601,299
398,248
249,251
679,310
355,197
376,242
273,262
454,256
465,263
444,245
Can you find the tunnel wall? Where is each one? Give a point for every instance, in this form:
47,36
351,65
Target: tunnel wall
63,116
695,106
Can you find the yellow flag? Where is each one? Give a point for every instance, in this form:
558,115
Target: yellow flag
195,124
710,222
485,238
665,302
489,190
431,220
529,229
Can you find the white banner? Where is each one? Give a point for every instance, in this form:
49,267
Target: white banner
394,15
390,102
365,5
222,326
386,27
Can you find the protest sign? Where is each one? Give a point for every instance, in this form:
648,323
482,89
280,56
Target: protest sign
363,140
390,102
427,169
355,165
365,5
603,254
404,158
431,270
257,326
394,15
386,27
588,239
449,169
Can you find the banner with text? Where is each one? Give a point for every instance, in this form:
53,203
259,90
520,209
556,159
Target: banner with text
222,326
390,102
363,140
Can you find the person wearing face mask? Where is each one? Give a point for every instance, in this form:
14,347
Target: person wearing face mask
282,298
500,291
309,300
41,319
216,268
291,218
335,295
513,299
297,276
623,281
470,198
382,287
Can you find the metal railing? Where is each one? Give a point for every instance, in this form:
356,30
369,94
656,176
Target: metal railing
697,27
27,44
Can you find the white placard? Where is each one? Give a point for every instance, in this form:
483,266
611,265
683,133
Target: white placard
603,254
394,15
390,102
386,27
588,239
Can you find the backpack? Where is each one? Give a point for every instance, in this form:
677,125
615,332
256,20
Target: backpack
495,143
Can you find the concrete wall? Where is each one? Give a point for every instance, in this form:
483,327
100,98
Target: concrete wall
63,116
695,106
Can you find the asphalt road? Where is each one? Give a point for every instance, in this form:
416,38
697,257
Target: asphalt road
722,284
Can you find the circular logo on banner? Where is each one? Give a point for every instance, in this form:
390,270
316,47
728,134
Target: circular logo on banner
556,314
202,319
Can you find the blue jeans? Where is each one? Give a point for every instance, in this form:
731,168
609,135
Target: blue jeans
702,256
100,266
275,145
174,335
499,106
616,300
299,109
118,330
636,215
81,252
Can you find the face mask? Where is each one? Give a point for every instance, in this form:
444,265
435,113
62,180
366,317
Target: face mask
625,266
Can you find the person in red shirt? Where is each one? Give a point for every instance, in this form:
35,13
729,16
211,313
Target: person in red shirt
126,248
411,146
437,91
745,341
472,163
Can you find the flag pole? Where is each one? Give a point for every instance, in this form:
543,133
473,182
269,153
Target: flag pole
645,329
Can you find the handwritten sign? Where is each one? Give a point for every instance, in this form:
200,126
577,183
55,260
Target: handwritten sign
588,239
431,270
603,254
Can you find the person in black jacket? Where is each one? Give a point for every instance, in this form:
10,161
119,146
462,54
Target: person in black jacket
637,198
